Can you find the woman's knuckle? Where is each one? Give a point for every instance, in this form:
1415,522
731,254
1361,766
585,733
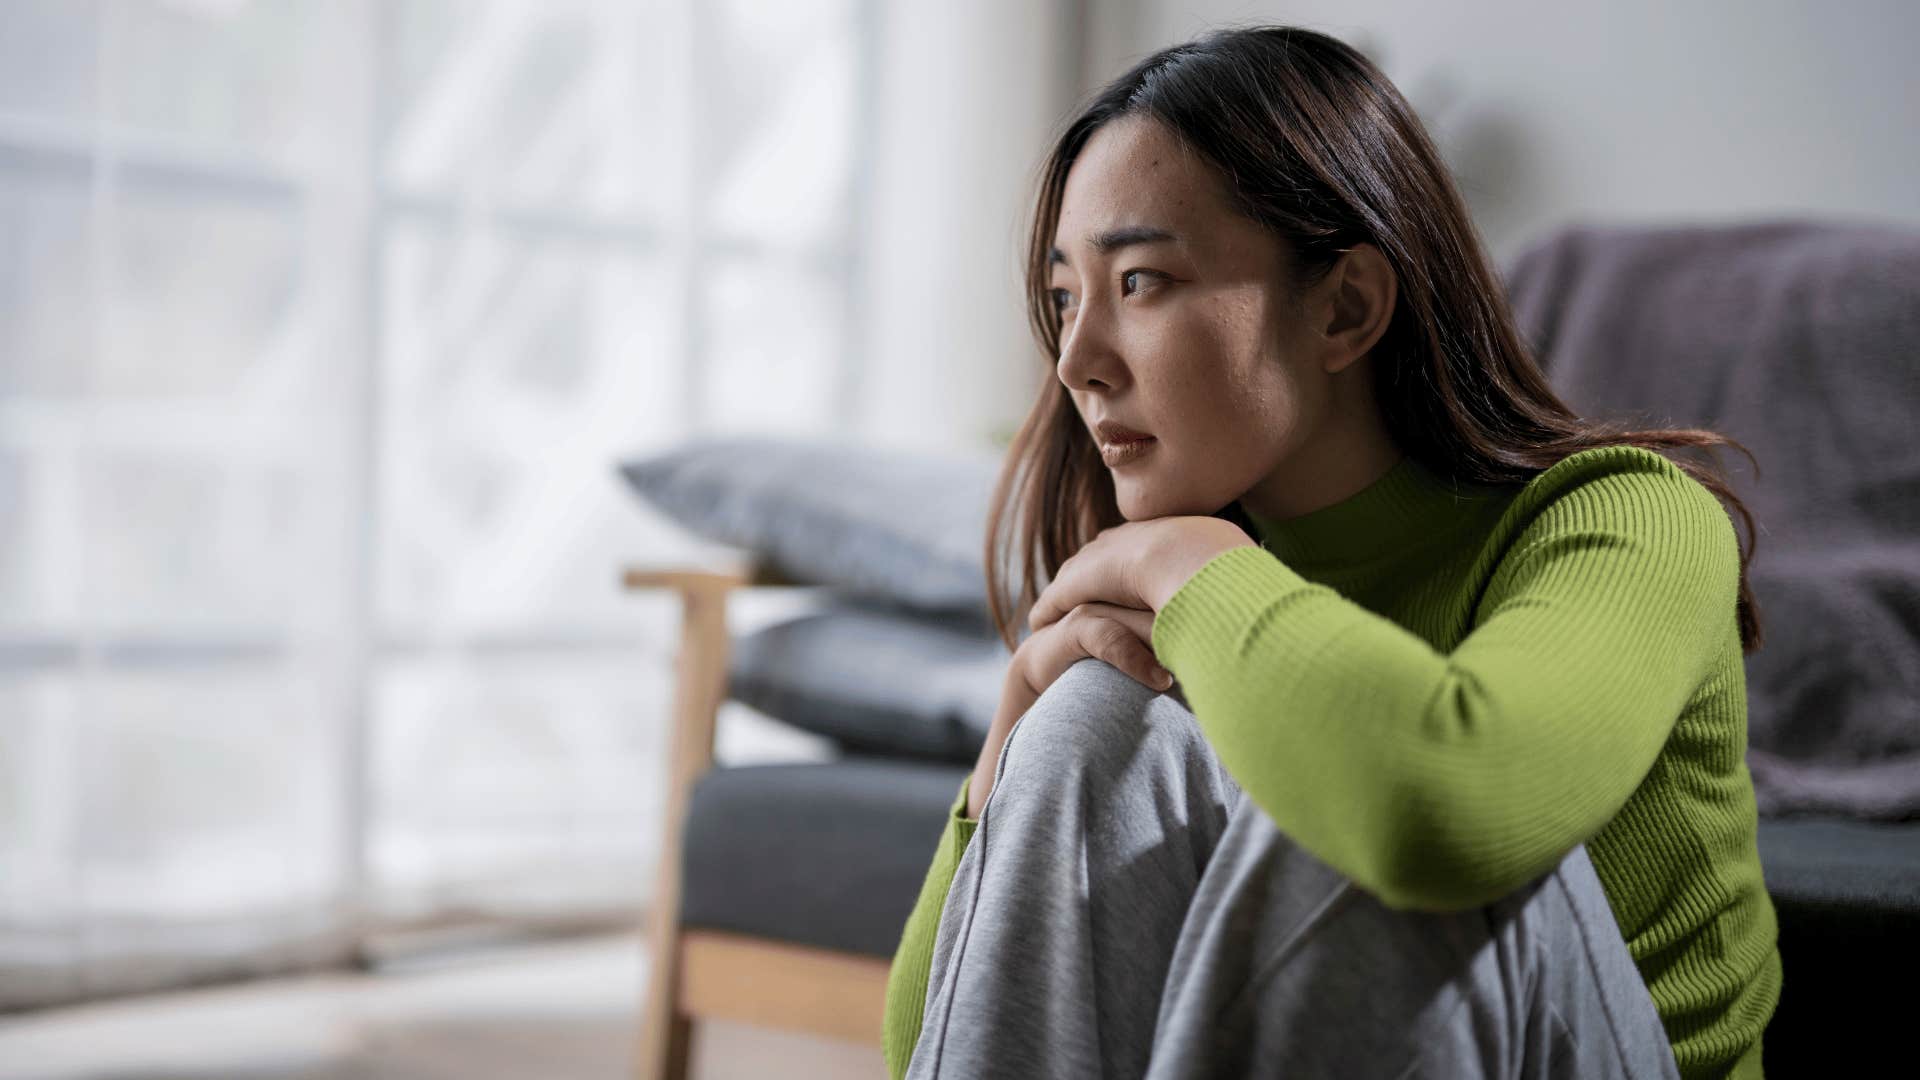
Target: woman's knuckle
1115,636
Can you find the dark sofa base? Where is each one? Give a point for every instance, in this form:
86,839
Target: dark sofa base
833,855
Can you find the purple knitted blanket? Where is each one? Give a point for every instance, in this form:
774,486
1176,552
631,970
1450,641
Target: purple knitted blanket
1801,340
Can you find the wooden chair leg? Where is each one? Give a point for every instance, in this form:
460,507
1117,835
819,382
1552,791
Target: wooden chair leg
666,1033
699,687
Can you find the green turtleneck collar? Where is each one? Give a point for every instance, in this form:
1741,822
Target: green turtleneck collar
1408,504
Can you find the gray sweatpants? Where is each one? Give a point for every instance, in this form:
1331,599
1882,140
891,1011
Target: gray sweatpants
1124,910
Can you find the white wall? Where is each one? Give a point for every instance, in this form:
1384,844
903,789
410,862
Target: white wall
969,94
1632,109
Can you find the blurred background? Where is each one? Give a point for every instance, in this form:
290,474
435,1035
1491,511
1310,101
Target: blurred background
322,323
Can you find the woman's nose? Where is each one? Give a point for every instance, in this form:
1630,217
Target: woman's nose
1087,358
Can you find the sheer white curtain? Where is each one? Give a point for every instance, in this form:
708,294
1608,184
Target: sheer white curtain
321,326
180,478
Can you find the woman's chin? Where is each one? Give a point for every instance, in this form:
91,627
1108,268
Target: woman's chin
1141,500
1136,500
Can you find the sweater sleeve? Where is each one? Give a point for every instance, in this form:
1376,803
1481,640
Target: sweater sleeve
1444,780
913,960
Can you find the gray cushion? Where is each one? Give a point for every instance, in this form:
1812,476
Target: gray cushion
876,679
1866,865
908,528
830,855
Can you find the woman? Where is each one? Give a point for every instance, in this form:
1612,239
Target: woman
1453,781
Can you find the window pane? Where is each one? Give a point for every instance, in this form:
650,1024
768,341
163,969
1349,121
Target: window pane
226,73
517,783
35,812
203,284
180,544
46,332
574,105
785,121
774,331
48,53
209,791
32,586
38,866
516,372
209,834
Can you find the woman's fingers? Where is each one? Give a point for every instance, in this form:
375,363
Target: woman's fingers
1138,620
1115,634
1121,636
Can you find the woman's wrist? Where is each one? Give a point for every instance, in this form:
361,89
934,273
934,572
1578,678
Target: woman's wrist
1184,551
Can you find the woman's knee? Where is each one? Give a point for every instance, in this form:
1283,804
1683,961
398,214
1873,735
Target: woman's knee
1097,719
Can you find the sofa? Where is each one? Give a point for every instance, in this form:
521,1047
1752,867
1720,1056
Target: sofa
783,888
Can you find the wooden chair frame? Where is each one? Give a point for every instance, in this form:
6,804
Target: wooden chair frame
703,974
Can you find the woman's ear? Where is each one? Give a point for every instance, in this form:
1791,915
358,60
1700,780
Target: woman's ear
1361,291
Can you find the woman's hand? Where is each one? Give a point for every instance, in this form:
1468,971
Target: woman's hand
1138,564
1119,635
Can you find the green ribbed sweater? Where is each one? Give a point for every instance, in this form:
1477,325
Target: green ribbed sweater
1440,690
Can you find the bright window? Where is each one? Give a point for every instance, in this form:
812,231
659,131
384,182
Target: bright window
321,327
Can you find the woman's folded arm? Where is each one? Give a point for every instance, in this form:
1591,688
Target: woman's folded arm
1446,780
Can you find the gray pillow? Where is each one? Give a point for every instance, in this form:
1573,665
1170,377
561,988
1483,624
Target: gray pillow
907,528
877,679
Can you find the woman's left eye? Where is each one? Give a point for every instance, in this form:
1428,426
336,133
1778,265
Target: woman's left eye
1128,283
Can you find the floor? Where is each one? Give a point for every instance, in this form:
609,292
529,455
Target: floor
555,1011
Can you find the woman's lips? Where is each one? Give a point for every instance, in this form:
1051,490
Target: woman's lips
1123,452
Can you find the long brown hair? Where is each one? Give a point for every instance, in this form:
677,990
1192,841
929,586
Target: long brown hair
1317,146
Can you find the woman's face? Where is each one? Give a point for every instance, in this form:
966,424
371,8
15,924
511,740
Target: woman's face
1176,323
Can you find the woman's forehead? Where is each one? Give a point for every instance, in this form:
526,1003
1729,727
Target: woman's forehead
1134,174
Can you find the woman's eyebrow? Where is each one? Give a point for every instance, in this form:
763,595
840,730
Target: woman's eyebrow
1106,243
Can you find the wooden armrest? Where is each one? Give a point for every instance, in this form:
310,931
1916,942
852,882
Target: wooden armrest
754,572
